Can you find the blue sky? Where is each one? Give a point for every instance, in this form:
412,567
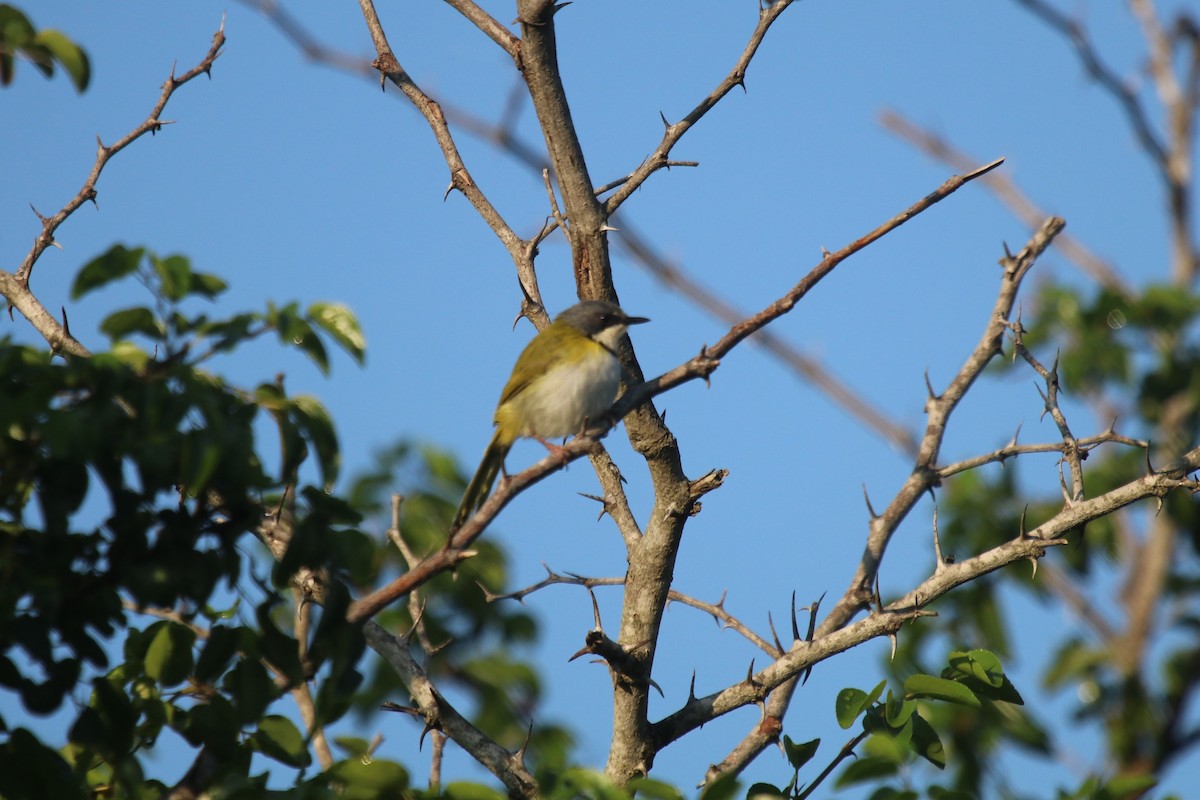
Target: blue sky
295,181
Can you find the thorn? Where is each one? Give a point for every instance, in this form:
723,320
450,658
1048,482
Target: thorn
812,617
750,674
656,686
519,756
1033,561
606,227
1016,433
449,189
721,603
795,623
421,742
692,688
663,117
598,499
870,508
825,252
1149,466
774,634
66,325
595,610
876,595
1022,534
929,387
895,641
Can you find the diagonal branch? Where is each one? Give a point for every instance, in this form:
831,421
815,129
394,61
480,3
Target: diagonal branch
1008,193
502,136
700,366
1104,75
938,410
15,287
490,27
889,619
390,69
674,132
440,715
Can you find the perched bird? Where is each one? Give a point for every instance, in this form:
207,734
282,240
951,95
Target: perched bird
565,377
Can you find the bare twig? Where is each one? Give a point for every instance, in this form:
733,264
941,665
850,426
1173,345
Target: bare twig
440,715
938,410
1008,193
700,366
15,287
888,619
674,132
504,137
715,610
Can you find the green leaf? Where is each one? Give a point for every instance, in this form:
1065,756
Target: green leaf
207,285
117,262
652,788
218,651
764,790
70,55
926,743
278,738
317,426
1126,786
169,656
294,330
941,793
140,319
982,665
174,275
898,710
799,754
866,769
250,689
918,686
370,780
340,323
849,704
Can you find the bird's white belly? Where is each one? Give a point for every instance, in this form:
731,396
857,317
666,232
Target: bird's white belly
559,403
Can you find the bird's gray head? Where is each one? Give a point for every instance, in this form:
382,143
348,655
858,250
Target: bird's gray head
600,320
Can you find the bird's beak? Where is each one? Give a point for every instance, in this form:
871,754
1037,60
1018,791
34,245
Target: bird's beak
636,320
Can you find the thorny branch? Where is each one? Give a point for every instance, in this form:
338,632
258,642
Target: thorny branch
715,610
891,617
15,287
503,136
1007,192
700,366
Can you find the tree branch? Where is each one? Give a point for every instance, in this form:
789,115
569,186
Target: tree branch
938,410
15,287
674,132
891,617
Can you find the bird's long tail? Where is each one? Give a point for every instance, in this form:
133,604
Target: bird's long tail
481,485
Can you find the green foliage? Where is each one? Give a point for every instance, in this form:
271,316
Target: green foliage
44,49
474,641
128,483
896,729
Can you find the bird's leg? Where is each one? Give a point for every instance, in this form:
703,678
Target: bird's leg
558,451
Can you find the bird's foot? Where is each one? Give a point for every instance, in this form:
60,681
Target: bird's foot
558,451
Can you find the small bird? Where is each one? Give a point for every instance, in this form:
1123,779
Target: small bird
565,377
